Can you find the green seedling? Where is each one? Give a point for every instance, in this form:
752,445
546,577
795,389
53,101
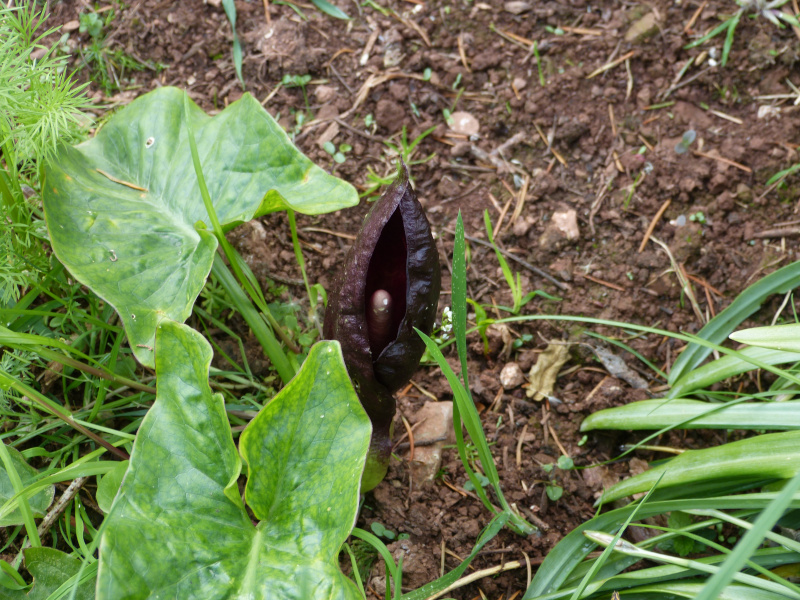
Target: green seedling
300,81
552,489
406,150
687,139
91,23
381,531
337,155
539,69
514,283
108,67
769,9
780,176
482,479
698,217
632,189
374,183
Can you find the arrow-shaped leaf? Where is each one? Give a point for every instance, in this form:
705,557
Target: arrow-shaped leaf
122,208
178,527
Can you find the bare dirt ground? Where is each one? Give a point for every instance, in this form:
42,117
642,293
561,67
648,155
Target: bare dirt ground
577,147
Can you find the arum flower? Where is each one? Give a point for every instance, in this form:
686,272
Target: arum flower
389,285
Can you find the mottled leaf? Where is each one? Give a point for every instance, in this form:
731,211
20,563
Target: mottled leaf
122,208
178,527
51,569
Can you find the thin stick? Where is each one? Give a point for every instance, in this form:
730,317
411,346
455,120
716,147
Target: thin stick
773,233
523,193
611,64
556,440
120,181
521,441
608,284
410,438
582,30
346,236
466,580
503,215
61,504
549,146
688,27
725,116
355,130
721,159
266,12
461,52
423,391
512,37
704,283
653,223
368,47
612,119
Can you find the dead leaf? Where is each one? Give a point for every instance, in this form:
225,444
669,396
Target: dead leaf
617,368
543,374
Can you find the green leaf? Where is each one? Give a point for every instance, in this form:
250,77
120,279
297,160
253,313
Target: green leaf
750,542
739,464
689,589
746,303
561,565
51,569
178,527
730,365
109,485
694,414
27,474
122,208
776,337
330,9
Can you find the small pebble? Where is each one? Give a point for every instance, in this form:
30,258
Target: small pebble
511,376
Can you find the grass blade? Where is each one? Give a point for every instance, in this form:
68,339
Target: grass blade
750,542
721,326
563,560
694,414
459,296
741,464
330,10
728,366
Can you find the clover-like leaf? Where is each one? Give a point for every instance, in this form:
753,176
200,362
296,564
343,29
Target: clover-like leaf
178,527
27,474
122,208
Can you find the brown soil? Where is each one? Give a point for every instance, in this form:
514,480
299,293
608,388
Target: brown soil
599,144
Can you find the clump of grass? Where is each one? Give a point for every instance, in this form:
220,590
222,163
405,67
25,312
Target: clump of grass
769,9
108,67
40,107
